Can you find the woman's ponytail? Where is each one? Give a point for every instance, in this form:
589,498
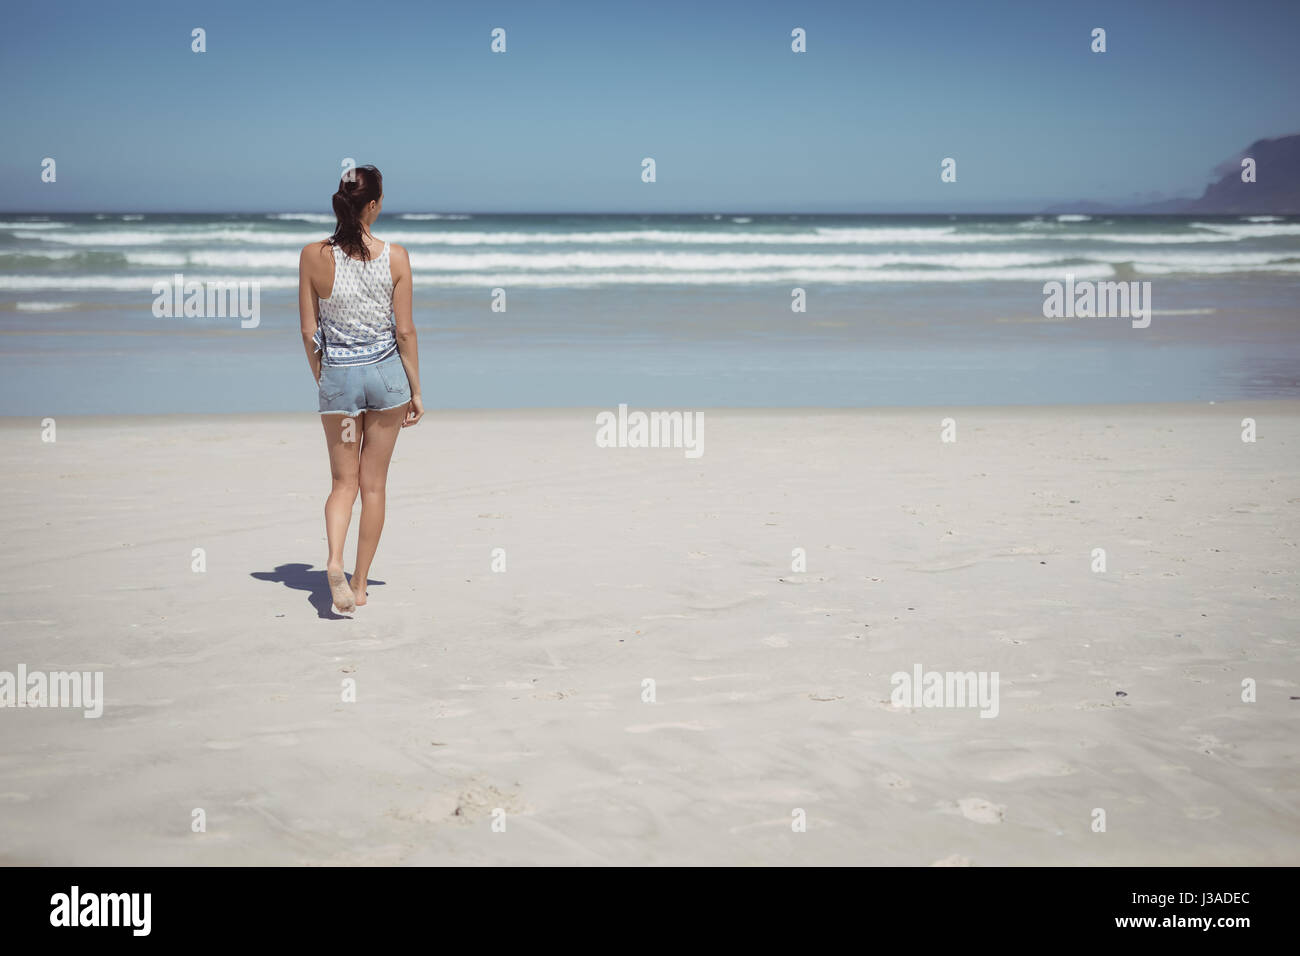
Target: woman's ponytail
357,190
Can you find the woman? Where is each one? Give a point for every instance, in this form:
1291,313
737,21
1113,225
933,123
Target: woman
354,302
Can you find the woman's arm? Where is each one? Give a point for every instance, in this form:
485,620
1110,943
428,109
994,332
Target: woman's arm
407,347
309,306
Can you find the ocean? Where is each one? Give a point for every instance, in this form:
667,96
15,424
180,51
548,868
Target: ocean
681,311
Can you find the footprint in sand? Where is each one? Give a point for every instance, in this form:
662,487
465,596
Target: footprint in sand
469,803
1210,744
980,810
1201,813
479,800
555,695
955,860
899,787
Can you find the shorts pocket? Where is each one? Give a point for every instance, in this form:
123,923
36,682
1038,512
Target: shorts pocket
394,376
331,384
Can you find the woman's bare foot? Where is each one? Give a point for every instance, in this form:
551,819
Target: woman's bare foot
359,590
344,599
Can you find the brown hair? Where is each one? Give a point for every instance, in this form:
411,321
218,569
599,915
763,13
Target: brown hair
357,189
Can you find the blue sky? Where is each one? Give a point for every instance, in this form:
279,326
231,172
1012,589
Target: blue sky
711,90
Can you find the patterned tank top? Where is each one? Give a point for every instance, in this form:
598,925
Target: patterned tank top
356,322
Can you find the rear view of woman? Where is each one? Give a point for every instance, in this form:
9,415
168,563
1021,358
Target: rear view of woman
354,302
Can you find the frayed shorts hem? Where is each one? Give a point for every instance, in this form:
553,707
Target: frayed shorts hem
388,408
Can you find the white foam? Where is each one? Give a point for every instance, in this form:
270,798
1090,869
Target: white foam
1073,217
234,260
34,224
1194,260
1145,239
52,254
608,260
551,278
937,235
135,283
720,261
782,277
1253,231
1156,269
424,216
159,237
276,269
302,217
821,236
702,261
44,306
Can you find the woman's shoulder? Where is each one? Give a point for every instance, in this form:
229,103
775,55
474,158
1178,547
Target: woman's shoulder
398,254
318,248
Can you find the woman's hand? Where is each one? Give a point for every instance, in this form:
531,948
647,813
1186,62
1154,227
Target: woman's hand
414,411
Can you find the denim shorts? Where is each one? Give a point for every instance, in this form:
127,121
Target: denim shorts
353,389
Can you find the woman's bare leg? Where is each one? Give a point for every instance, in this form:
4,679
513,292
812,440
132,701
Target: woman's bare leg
343,438
376,452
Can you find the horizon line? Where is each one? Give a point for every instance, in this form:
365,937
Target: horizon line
622,212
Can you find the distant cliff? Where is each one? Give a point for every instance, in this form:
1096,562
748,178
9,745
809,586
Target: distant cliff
1277,185
1276,190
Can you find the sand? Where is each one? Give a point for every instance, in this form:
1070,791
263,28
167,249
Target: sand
521,691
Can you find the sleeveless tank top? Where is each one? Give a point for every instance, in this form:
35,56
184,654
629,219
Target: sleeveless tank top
356,322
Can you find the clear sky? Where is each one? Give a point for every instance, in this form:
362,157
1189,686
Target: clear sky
711,90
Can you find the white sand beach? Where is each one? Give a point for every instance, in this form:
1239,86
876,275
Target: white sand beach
522,690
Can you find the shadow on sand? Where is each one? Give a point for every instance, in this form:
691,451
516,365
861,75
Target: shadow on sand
301,577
